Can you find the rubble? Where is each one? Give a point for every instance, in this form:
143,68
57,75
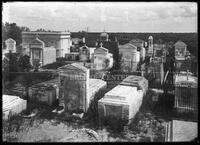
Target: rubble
80,115
33,114
147,127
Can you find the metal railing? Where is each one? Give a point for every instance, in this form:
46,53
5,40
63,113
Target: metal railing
186,103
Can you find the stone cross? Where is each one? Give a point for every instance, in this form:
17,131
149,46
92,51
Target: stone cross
37,35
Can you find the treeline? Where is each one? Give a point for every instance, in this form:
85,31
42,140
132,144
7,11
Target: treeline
12,30
189,38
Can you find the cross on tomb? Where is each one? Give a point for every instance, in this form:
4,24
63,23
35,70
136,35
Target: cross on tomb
37,35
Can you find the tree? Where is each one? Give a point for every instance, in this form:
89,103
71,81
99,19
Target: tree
42,30
159,41
5,71
24,63
16,63
11,30
120,60
25,29
107,62
4,34
13,62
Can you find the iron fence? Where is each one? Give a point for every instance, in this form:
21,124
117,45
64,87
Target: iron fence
186,103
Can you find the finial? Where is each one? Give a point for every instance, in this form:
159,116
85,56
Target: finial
36,35
101,44
187,73
115,38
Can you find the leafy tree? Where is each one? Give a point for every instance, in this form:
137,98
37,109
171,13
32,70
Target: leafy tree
4,34
24,63
120,60
159,41
12,30
24,29
43,30
16,63
5,71
107,61
13,62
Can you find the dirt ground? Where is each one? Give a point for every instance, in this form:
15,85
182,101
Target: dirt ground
42,130
50,127
47,126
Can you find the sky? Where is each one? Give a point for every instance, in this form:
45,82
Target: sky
100,16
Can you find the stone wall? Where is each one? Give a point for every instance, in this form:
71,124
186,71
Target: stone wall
49,55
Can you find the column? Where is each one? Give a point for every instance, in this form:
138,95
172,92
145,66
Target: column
41,56
31,57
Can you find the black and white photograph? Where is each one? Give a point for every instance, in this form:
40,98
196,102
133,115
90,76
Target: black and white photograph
99,71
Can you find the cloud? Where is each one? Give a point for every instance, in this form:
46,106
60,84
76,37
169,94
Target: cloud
131,16
159,11
126,13
177,10
189,11
56,13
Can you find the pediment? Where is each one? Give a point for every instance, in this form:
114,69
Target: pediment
101,50
180,44
37,42
136,41
84,48
75,67
10,40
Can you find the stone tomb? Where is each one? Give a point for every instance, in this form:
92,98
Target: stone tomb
11,45
136,81
84,53
122,102
74,83
41,55
44,92
181,131
12,105
77,90
102,59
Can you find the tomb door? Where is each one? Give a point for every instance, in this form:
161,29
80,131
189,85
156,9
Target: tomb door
72,95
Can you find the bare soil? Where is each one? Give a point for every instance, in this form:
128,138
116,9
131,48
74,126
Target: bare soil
47,126
50,127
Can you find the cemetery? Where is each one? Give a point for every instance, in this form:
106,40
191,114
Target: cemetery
90,96
90,108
